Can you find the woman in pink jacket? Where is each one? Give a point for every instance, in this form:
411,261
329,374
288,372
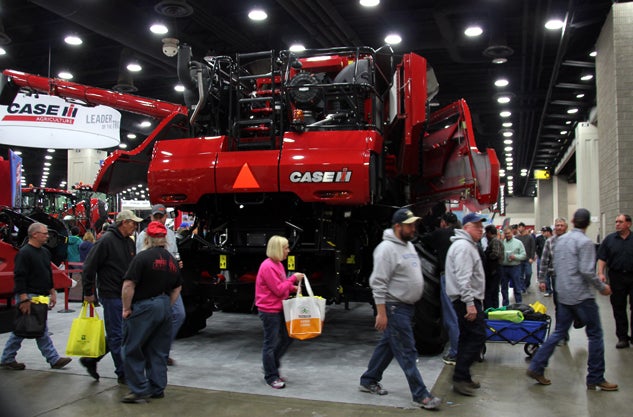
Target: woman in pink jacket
271,288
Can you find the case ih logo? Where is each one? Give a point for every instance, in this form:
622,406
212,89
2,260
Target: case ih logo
41,113
321,176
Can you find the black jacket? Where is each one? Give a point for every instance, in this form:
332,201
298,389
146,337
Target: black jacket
106,263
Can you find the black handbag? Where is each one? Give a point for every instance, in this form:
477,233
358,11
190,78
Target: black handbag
31,326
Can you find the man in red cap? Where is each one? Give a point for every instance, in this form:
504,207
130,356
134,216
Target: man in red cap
151,286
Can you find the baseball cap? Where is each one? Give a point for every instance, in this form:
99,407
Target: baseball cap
158,209
127,215
546,229
156,229
405,216
472,218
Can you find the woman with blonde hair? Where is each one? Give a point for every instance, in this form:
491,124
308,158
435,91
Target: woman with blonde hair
272,286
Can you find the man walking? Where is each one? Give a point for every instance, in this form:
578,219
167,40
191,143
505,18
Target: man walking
33,277
493,256
159,214
511,267
546,233
465,286
109,259
616,253
397,284
529,244
575,277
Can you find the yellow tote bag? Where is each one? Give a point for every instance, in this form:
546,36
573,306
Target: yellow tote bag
87,335
304,314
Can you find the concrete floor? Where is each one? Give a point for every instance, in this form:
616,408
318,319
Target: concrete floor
218,372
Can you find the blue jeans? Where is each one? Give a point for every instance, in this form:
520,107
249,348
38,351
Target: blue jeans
397,341
276,343
146,342
587,312
449,318
511,273
177,316
472,337
44,344
526,273
112,309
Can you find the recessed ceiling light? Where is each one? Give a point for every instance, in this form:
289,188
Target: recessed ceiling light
503,99
50,150
122,145
3,51
134,67
523,174
65,75
593,54
587,77
580,95
297,47
257,15
563,132
179,87
507,141
131,136
73,40
369,3
572,111
146,123
473,31
158,28
505,114
393,39
502,82
568,122
508,149
506,124
554,24
500,60
508,134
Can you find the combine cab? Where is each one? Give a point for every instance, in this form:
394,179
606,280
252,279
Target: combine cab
319,146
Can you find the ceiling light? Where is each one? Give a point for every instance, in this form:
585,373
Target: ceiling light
554,24
510,177
369,3
587,77
134,67
508,133
568,122
503,99
179,87
297,47
48,157
131,136
145,123
523,174
473,31
505,114
50,150
158,28
502,82
502,173
593,54
65,75
508,149
507,142
563,132
46,169
580,95
506,124
122,145
257,15
73,40
393,39
47,164
500,60
3,51
572,111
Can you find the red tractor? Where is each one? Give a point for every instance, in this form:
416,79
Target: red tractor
320,146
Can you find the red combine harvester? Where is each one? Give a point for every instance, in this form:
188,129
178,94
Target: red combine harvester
320,146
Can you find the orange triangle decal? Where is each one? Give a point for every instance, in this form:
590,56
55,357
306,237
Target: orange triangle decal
245,178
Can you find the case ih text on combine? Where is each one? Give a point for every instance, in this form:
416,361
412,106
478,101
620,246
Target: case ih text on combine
319,146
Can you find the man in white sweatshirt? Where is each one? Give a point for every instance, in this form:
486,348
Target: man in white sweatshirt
397,284
465,286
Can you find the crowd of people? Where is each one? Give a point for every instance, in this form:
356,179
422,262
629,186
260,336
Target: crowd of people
139,286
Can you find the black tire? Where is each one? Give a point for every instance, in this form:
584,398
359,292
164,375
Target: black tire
428,330
530,349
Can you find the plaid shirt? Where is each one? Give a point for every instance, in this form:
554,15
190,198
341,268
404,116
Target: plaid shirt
547,259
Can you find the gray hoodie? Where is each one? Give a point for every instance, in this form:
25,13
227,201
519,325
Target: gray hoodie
397,274
465,278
